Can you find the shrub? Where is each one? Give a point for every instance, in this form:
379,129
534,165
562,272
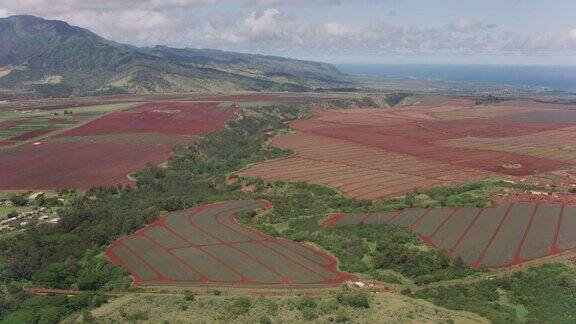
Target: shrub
358,300
306,302
309,313
341,317
189,296
19,201
240,305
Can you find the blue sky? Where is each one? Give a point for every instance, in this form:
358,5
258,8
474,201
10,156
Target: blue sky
369,31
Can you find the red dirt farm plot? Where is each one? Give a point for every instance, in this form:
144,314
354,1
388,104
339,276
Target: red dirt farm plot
180,118
81,165
104,151
377,153
206,245
501,236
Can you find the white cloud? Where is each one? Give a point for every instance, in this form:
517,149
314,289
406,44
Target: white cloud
141,26
271,30
143,22
336,29
4,13
259,26
59,6
464,25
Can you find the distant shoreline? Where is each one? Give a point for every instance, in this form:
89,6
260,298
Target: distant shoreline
552,77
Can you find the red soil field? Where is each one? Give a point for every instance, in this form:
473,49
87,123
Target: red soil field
181,118
206,246
6,143
376,153
502,236
358,171
419,139
106,150
81,165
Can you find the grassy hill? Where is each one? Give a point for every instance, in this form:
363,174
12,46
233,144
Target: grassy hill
46,58
382,308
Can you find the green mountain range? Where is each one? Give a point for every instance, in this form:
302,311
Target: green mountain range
40,58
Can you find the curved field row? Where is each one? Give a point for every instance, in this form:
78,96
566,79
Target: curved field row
207,246
423,144
505,235
556,145
357,170
376,153
483,112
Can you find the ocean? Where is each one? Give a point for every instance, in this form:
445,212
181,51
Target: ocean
553,77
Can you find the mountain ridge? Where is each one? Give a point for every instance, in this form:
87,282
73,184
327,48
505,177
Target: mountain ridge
51,58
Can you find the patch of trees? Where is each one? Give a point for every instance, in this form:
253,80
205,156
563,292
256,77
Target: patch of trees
488,100
49,309
547,292
394,99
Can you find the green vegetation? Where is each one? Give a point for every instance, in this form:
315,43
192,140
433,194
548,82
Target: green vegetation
166,308
547,293
48,309
488,100
396,98
51,119
7,212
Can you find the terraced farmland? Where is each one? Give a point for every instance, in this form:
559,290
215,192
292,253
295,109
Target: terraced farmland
206,245
376,153
501,236
359,171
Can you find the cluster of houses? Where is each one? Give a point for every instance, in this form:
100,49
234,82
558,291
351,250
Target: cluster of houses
27,218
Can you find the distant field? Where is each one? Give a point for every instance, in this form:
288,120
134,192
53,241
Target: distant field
81,165
505,235
376,153
179,118
104,151
206,245
23,125
42,146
